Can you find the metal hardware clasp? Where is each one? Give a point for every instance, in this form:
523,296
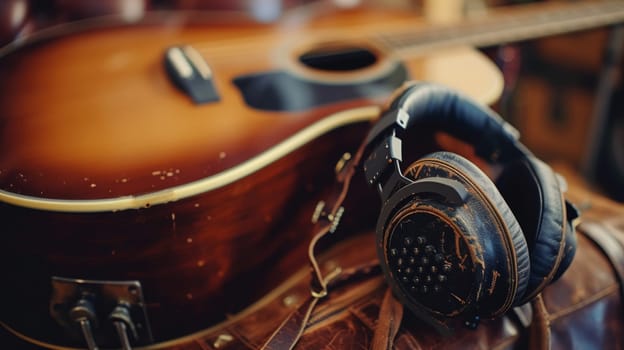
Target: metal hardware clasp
320,213
101,313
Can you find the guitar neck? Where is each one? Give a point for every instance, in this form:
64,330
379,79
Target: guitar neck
511,24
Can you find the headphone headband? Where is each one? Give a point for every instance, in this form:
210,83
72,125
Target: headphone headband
426,104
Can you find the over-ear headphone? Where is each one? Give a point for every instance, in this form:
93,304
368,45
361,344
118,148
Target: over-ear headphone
454,245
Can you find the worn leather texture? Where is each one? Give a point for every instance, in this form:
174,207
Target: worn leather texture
582,310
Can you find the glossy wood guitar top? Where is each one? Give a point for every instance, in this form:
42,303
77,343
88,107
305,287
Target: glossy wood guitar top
89,113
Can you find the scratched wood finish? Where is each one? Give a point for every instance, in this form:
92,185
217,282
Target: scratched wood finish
197,259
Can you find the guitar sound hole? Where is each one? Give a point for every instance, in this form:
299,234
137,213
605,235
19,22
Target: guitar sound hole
339,59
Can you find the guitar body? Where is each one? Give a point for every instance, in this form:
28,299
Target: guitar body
197,258
110,172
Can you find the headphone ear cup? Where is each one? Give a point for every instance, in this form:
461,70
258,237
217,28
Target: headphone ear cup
534,194
478,244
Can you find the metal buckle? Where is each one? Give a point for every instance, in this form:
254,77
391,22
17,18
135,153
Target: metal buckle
320,213
378,162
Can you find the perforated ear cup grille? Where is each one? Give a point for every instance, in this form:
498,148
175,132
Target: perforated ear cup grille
485,225
431,263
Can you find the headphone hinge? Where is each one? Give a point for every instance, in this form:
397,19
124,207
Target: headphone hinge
389,120
381,159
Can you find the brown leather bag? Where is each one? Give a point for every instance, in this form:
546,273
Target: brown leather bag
581,310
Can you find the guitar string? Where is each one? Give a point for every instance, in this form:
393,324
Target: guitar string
506,25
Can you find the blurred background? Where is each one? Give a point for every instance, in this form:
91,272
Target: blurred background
563,92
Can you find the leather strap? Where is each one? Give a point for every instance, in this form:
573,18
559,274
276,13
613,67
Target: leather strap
327,221
289,332
602,236
539,333
388,323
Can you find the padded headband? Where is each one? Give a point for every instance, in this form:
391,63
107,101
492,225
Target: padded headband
436,106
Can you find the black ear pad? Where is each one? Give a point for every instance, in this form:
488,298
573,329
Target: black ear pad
532,191
477,244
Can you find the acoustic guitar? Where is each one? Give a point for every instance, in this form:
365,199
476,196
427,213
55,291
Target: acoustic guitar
156,176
